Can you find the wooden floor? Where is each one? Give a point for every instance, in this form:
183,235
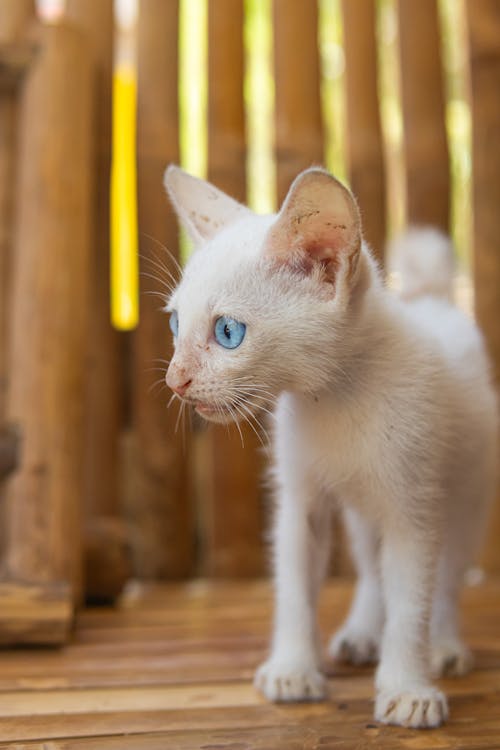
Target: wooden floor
172,668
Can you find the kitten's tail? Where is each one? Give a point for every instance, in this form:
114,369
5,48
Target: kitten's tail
423,261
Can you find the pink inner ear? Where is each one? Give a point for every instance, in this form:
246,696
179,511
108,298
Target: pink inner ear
306,241
326,240
318,223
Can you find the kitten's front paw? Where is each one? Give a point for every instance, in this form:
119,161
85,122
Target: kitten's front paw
419,708
450,658
282,681
353,645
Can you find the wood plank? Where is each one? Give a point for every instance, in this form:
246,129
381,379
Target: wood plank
159,503
50,301
135,724
342,713
219,705
232,490
425,142
484,29
283,735
364,133
299,127
35,613
186,668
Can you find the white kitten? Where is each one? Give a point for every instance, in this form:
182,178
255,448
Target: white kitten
384,408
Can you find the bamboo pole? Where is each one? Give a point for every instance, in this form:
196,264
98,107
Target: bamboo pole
484,34
425,142
9,450
15,18
364,142
50,312
159,505
231,497
104,414
299,128
105,381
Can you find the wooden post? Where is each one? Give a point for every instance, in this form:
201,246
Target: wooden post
9,450
484,34
105,378
15,18
425,143
299,127
49,320
364,142
159,506
231,496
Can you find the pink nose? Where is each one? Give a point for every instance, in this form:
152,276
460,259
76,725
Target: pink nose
181,389
177,378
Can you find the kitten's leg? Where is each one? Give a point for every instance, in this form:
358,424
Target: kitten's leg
405,695
358,639
464,530
449,655
292,672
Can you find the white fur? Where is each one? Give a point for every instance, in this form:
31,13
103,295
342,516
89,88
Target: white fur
384,409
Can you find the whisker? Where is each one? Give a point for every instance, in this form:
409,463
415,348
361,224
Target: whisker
236,422
258,406
252,416
160,381
179,415
153,293
157,280
245,395
159,266
254,397
245,385
183,428
246,419
165,249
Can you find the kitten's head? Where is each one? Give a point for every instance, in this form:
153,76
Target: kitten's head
265,301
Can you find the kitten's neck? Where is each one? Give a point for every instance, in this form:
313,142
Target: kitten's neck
373,341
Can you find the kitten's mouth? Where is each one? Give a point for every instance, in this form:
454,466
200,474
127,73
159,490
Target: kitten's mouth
206,410
212,413
220,413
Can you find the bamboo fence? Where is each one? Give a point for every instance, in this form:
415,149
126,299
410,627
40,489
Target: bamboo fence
97,485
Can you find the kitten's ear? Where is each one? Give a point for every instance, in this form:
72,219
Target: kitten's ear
319,223
203,209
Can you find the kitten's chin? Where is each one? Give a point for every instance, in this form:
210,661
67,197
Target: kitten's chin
213,414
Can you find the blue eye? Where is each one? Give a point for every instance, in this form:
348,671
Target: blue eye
174,322
229,333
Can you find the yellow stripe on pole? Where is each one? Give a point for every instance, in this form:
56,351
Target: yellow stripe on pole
124,243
